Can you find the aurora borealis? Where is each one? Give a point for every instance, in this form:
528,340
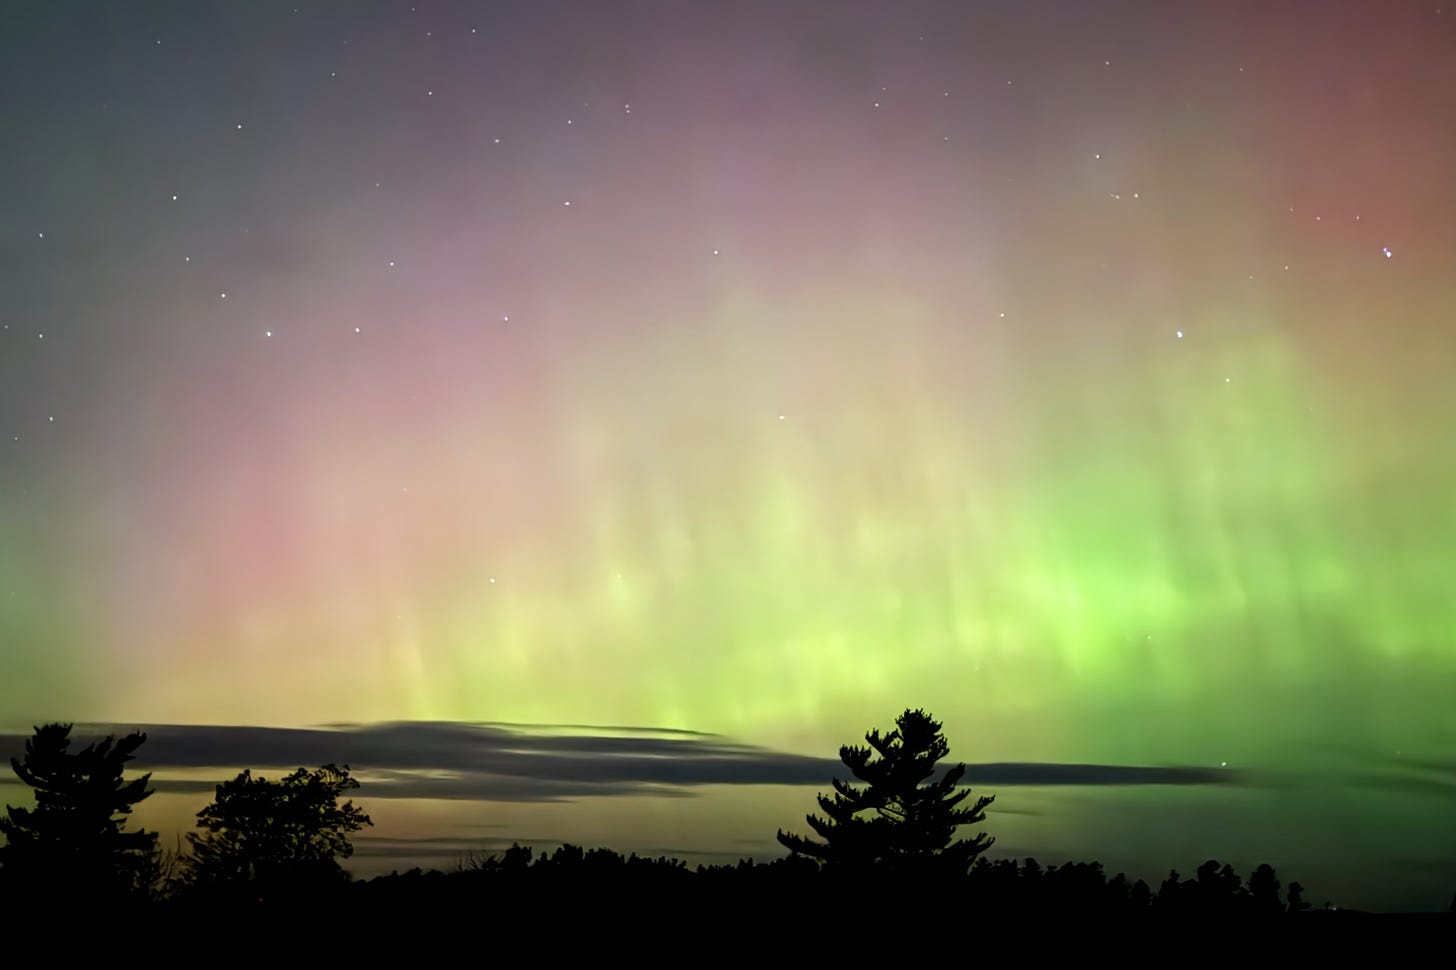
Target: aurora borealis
1084,373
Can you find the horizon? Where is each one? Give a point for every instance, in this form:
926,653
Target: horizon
492,785
734,375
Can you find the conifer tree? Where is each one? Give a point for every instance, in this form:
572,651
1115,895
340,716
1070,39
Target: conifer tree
74,839
898,818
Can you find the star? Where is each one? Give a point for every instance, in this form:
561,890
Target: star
267,333
222,296
1386,251
1180,334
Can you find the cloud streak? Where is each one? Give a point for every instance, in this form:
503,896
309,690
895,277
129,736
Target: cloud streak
545,763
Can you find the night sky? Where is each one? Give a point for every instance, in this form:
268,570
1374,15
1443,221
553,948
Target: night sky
1082,372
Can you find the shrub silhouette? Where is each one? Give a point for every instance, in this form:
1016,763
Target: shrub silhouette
1218,890
275,838
1264,890
74,840
896,821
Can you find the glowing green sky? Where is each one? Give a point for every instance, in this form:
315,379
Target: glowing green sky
1083,373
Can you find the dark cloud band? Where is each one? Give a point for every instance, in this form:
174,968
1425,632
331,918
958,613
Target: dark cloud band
499,762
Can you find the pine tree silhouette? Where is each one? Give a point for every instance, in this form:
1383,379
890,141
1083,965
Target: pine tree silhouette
895,820
73,841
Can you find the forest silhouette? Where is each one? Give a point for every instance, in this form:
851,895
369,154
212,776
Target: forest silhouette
272,849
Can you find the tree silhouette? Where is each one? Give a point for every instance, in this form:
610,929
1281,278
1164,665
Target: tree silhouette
1296,898
894,819
1264,890
75,839
277,837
